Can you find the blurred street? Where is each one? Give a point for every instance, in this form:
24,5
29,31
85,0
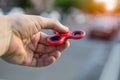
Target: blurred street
84,60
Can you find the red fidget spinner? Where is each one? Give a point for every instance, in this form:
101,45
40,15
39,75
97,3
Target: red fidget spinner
59,39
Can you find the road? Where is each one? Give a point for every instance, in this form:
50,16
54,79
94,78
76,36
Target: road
84,60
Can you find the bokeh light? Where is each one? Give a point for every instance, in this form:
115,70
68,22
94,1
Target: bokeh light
110,4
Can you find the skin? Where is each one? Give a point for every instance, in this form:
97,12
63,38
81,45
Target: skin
26,44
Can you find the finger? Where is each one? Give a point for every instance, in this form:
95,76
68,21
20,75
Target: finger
65,45
50,60
54,25
51,57
38,38
45,60
44,49
56,54
33,63
43,38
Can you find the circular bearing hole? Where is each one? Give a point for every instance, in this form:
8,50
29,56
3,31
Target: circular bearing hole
55,38
77,33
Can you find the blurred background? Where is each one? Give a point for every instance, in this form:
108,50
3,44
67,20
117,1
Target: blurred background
97,57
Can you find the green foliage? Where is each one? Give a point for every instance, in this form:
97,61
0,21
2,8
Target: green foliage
25,4
65,4
85,5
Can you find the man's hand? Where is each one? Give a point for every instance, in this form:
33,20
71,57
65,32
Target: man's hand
28,45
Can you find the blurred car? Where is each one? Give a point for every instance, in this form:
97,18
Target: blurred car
104,26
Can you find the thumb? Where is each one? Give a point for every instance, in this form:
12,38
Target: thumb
54,25
27,25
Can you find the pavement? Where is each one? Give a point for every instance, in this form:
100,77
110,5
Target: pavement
84,60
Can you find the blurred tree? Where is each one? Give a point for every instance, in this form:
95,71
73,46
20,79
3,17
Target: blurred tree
85,5
24,4
117,10
65,4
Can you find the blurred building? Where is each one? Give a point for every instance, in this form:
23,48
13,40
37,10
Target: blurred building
30,6
43,5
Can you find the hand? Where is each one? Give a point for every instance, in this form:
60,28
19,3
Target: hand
28,45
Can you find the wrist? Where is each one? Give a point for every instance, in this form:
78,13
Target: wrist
5,34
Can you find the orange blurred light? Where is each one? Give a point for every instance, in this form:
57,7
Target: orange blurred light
110,4
110,7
